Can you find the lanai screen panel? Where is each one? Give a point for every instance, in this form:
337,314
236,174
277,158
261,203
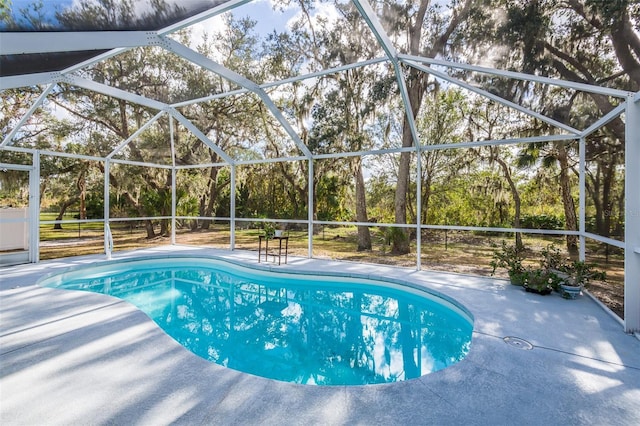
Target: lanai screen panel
95,15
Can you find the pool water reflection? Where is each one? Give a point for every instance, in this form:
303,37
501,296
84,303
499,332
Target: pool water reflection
294,328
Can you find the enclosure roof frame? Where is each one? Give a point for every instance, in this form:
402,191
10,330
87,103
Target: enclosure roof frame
101,45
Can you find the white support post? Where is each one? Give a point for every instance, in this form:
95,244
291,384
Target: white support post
107,202
174,200
632,219
582,167
310,210
418,207
232,223
34,209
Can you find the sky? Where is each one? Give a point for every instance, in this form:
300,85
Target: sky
48,10
259,10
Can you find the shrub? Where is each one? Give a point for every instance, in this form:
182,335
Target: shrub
509,258
541,221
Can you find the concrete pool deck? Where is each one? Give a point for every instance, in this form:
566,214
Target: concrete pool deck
69,357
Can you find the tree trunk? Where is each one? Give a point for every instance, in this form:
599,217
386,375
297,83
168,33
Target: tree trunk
63,209
166,208
164,227
567,201
593,188
415,88
148,225
408,342
415,91
401,245
364,236
82,189
516,199
607,187
416,85
213,194
426,196
316,228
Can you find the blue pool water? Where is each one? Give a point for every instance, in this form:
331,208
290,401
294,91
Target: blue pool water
317,330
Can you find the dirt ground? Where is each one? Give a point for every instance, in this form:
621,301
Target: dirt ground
611,295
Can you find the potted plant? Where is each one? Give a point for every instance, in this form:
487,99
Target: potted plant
551,258
269,230
540,281
576,276
279,232
509,258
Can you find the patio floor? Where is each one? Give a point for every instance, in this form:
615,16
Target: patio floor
81,358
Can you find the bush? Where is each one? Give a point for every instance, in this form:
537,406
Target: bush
509,258
541,221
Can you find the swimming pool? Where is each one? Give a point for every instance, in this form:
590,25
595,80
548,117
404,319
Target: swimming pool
309,329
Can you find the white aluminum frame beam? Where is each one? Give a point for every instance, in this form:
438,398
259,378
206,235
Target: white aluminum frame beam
208,64
141,100
27,80
107,204
19,43
201,166
519,76
13,82
95,59
8,140
582,195
86,157
271,160
496,142
322,73
34,209
232,209
310,208
612,115
369,16
174,197
217,10
114,92
605,240
632,218
493,97
285,81
140,164
198,133
16,81
365,153
135,135
53,153
19,167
